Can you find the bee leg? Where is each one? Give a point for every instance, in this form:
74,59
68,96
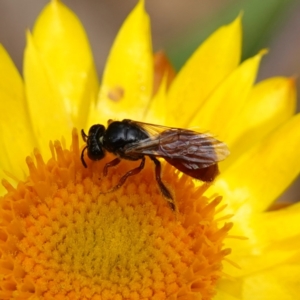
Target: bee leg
162,187
110,164
129,173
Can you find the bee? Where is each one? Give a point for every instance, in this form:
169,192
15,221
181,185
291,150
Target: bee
193,153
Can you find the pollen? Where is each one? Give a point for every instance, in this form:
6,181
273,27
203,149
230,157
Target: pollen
64,235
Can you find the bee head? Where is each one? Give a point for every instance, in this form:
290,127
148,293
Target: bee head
94,144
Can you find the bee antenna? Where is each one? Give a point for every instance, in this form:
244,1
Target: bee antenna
84,135
82,156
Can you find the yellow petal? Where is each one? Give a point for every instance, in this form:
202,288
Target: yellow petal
221,295
275,283
3,191
17,139
227,101
157,110
46,106
217,57
128,76
258,177
64,48
272,246
271,103
162,68
273,238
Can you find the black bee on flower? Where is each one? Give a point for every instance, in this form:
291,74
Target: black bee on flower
193,153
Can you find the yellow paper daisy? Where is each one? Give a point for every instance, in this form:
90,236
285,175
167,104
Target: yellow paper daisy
63,237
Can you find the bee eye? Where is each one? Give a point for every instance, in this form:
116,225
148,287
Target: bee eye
96,153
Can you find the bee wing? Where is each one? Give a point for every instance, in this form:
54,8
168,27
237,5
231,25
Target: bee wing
194,150
151,129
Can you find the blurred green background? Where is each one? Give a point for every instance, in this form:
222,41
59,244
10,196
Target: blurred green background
178,27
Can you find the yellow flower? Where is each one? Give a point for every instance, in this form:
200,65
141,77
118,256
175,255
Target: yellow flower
62,237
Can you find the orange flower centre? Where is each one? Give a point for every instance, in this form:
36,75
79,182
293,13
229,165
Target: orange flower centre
63,237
